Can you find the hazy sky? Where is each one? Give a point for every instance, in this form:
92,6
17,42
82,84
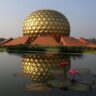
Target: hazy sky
80,13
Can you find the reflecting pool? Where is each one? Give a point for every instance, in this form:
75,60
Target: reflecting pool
46,74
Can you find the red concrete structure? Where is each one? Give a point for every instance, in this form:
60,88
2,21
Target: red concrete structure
70,41
45,41
17,41
87,43
49,41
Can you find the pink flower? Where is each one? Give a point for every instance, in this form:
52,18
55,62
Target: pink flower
73,72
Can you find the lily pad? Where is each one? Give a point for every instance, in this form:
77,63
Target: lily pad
94,74
83,71
89,82
79,87
94,81
94,87
37,87
59,83
88,77
56,72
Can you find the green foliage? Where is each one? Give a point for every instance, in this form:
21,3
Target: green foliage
2,39
61,49
22,48
71,49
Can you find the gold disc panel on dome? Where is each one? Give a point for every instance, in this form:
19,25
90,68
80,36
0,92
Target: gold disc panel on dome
46,22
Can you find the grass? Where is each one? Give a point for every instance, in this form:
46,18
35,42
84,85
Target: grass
51,49
90,51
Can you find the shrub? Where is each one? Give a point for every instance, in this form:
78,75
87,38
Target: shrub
71,49
26,48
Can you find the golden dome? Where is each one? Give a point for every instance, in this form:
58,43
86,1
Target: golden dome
37,66
46,22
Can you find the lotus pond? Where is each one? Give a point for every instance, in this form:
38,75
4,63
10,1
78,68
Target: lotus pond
47,74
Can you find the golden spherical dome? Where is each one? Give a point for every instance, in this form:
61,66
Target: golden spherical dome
46,22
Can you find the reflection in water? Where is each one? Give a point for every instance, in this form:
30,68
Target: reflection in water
37,66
